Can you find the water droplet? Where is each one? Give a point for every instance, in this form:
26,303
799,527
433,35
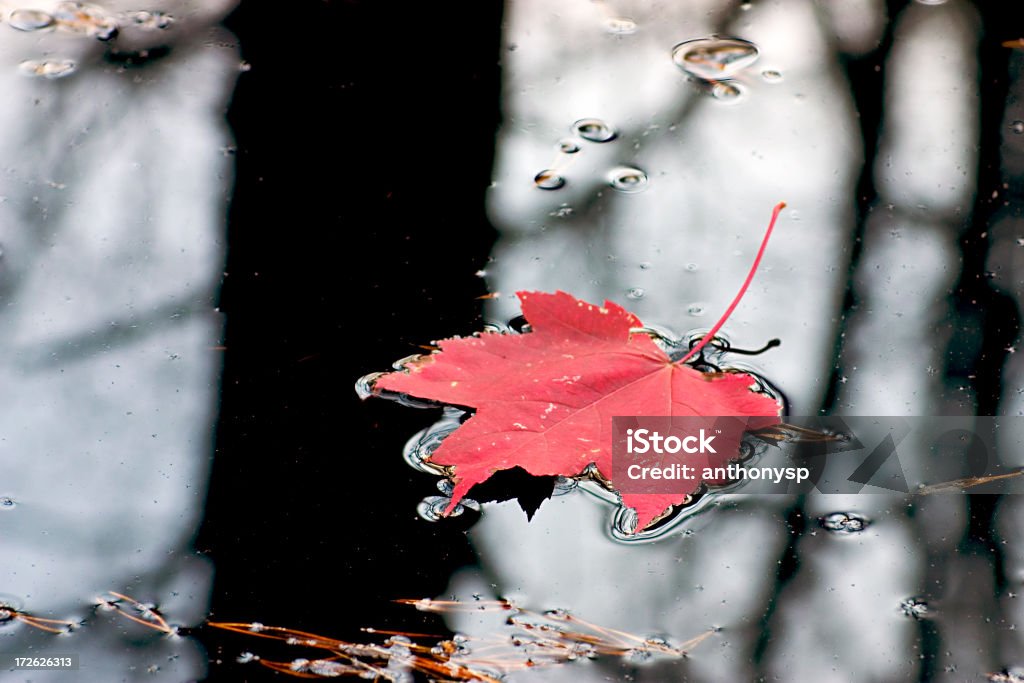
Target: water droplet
691,267
843,523
635,293
247,657
89,20
29,20
931,2
714,58
914,608
564,211
771,76
568,146
627,179
645,265
726,92
7,503
1017,127
696,310
152,20
45,68
549,180
620,25
1020,241
594,130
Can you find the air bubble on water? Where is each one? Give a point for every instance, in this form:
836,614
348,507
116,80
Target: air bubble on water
152,21
696,310
645,265
549,179
635,293
844,523
89,20
247,657
47,68
628,179
594,130
568,146
7,503
691,267
714,58
620,25
771,76
726,92
1020,241
1017,127
432,508
564,211
914,608
29,20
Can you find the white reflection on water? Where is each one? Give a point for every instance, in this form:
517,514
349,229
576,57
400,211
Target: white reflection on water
113,197
714,169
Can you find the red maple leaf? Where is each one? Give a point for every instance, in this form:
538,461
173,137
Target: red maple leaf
544,400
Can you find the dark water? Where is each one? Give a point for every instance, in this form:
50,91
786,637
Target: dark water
363,143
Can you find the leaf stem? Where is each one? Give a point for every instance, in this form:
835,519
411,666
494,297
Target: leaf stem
743,289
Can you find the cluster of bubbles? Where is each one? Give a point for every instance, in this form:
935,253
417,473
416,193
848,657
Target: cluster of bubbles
844,523
77,18
914,608
713,63
623,178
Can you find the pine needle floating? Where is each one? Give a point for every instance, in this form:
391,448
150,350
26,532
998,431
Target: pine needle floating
529,640
966,483
140,613
8,613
